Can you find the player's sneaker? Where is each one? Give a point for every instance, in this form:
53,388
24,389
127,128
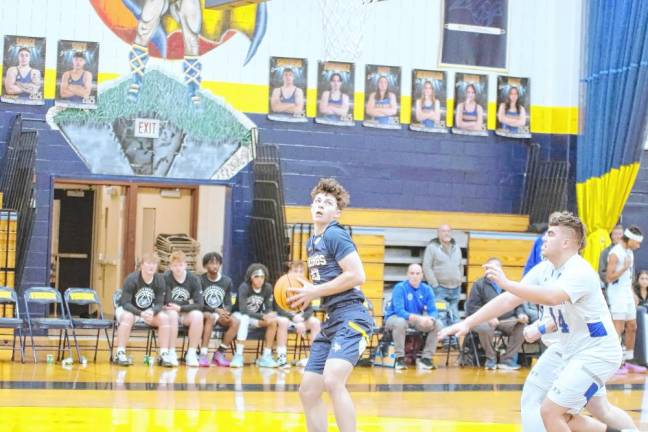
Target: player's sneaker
237,361
203,360
164,360
400,364
509,364
282,362
623,370
122,359
266,361
220,360
490,364
425,363
633,368
173,358
191,359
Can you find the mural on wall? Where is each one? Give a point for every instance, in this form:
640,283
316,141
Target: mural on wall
23,63
77,65
160,135
429,101
288,78
335,84
382,94
181,29
150,123
513,100
471,102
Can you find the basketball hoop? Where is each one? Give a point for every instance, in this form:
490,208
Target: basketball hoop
343,28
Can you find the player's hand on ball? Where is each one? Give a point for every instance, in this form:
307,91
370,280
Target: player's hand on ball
300,298
458,329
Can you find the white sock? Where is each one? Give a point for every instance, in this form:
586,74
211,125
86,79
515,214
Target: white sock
629,354
281,350
267,352
204,351
240,346
121,349
163,351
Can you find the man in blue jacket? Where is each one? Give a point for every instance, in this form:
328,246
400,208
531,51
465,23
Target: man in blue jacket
413,305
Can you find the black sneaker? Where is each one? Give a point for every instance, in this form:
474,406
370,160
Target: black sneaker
425,363
400,363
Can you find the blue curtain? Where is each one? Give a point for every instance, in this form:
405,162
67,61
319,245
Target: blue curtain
615,90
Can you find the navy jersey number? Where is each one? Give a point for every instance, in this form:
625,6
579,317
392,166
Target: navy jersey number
560,322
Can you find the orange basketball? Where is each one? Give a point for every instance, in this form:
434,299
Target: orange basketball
281,293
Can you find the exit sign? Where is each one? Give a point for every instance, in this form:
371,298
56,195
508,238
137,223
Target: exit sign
146,128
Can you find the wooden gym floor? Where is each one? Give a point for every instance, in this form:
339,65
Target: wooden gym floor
102,397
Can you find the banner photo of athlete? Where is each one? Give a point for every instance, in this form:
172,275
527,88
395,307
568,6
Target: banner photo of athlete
288,79
335,88
382,97
471,104
23,63
513,112
429,104
77,65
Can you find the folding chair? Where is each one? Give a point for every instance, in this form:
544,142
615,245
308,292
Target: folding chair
8,297
137,325
47,296
87,297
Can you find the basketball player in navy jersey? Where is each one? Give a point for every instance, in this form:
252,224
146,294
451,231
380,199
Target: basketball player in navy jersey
76,84
287,99
22,80
336,273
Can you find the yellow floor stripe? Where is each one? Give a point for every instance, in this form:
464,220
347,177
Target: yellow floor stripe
104,419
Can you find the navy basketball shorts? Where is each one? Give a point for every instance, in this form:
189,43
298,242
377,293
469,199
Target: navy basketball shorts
344,335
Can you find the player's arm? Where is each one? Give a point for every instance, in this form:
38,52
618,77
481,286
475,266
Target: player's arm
498,306
420,114
64,88
459,116
352,275
275,103
546,295
501,115
371,105
392,109
480,118
343,109
323,103
10,81
126,299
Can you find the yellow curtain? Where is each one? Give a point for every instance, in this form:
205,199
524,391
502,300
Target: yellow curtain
600,203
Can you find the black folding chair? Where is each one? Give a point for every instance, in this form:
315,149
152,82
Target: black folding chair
8,297
137,325
87,297
47,297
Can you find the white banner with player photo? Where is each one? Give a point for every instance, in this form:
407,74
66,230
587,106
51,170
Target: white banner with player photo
382,97
471,104
335,89
288,80
23,63
513,107
77,65
429,101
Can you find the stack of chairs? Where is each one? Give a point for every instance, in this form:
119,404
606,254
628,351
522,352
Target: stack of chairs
165,244
267,227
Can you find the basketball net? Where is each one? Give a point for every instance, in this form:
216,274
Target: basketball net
343,28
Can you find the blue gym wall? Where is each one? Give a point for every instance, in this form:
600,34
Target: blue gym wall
381,169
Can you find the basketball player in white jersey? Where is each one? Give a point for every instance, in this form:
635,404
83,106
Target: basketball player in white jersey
620,271
588,343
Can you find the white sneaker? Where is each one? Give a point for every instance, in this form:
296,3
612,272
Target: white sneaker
302,362
191,359
172,357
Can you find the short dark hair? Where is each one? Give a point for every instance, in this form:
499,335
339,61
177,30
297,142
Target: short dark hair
24,49
212,256
79,54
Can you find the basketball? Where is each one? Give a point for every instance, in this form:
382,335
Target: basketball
281,292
